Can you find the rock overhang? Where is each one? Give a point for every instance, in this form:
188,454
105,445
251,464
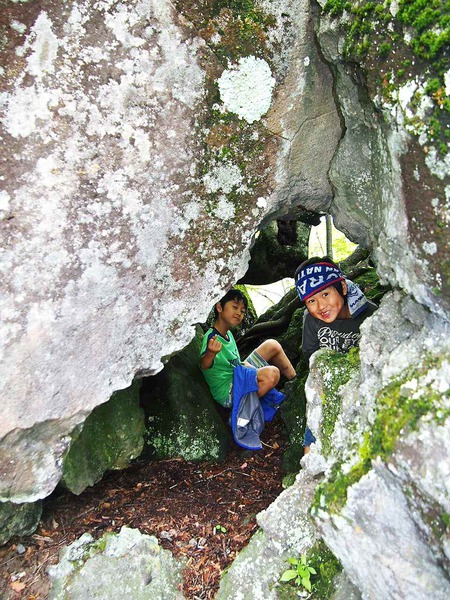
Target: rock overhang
131,196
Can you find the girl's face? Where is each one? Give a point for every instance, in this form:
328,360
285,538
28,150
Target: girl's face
328,305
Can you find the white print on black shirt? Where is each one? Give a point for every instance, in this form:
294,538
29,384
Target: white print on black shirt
337,340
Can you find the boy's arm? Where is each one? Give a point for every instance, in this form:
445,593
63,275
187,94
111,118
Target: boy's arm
213,348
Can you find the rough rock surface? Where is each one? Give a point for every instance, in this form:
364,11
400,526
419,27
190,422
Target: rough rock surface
18,519
124,565
287,530
182,419
376,514
382,507
387,172
122,168
112,436
132,192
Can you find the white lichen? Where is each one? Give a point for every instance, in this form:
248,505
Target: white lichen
246,88
18,26
225,210
223,177
438,166
261,202
447,83
429,247
393,7
44,47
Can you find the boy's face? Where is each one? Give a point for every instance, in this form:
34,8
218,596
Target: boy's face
328,305
233,313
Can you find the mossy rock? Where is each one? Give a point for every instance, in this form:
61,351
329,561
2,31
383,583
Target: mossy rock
112,435
182,418
370,284
293,413
400,406
336,370
124,565
291,340
273,258
18,519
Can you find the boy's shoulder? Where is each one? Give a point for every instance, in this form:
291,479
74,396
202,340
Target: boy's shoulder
212,331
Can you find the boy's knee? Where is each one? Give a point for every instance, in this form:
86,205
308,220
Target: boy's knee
272,347
274,375
275,345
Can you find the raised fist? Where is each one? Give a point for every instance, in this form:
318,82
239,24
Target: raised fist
214,345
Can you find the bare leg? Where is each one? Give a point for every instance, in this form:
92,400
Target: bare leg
272,351
267,377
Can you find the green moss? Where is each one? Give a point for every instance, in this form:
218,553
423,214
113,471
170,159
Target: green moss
18,519
289,480
399,411
377,41
337,368
112,435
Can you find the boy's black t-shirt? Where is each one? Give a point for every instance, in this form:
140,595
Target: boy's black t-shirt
341,335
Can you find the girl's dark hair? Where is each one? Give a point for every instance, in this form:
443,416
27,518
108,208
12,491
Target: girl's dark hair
231,295
317,259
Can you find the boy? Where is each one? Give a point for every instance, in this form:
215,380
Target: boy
221,364
336,307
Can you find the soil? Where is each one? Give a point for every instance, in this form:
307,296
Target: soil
179,502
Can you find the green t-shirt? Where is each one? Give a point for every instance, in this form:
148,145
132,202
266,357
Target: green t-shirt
219,376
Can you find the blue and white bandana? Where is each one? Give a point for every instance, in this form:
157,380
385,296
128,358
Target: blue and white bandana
316,277
356,300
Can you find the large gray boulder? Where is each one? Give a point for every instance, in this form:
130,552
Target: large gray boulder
286,530
138,163
391,172
124,565
391,451
379,471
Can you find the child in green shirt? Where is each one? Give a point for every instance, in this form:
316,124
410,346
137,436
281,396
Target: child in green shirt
220,356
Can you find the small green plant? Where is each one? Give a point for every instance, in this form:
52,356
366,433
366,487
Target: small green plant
219,529
301,573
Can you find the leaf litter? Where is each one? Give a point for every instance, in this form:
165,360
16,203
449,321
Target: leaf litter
203,512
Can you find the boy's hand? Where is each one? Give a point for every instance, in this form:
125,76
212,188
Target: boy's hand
214,346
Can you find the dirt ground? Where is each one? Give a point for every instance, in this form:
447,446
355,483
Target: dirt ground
179,502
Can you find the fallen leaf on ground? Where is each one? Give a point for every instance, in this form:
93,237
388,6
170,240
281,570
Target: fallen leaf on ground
18,586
